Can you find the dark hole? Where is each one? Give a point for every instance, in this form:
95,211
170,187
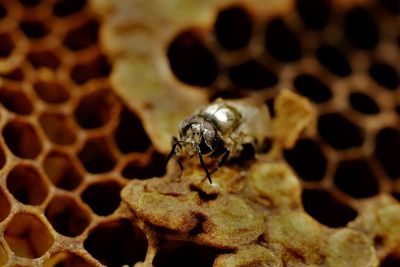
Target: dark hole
311,87
253,75
44,59
203,195
339,132
6,45
66,216
51,92
117,243
267,145
198,229
333,60
385,75
323,207
392,260
15,75
248,153
130,135
315,14
387,151
96,156
355,178
363,103
83,36
281,42
57,129
396,195
97,68
393,6
191,61
34,29
226,94
361,29
15,100
103,198
154,168
307,160
233,28
3,11
29,2
64,8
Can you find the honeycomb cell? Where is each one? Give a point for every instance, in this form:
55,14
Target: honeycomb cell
281,42
332,59
83,36
6,45
191,61
96,156
63,8
117,243
252,74
339,132
14,75
326,209
360,28
312,88
391,5
57,129
385,75
94,110
27,236
15,100
4,206
29,3
130,135
66,216
363,103
27,185
355,178
94,69
103,197
314,14
44,59
66,259
22,139
307,160
34,29
233,28
387,147
51,92
61,170
154,168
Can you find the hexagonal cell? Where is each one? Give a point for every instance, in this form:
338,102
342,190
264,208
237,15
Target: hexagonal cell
96,68
313,88
44,59
281,42
326,209
96,156
102,197
63,8
233,28
363,103
34,29
15,100
385,75
61,170
4,206
339,132
130,135
26,184
22,139
83,36
94,110
51,92
3,255
117,243
66,216
6,45
334,60
387,147
314,14
57,129
155,167
27,236
191,61
307,160
355,178
66,259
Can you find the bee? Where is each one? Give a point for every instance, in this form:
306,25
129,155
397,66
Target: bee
222,129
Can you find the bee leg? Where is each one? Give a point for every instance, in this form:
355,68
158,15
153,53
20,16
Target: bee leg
203,165
175,143
222,161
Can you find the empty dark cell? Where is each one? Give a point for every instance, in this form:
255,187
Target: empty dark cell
117,243
391,261
355,178
333,60
363,103
63,8
83,36
15,100
44,59
154,168
387,151
6,45
339,132
253,75
96,156
281,42
385,75
34,29
233,28
361,29
313,88
393,6
307,160
191,61
3,11
314,14
109,198
329,211
396,195
29,3
97,68
51,92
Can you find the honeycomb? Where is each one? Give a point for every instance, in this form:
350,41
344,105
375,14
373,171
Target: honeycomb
91,93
